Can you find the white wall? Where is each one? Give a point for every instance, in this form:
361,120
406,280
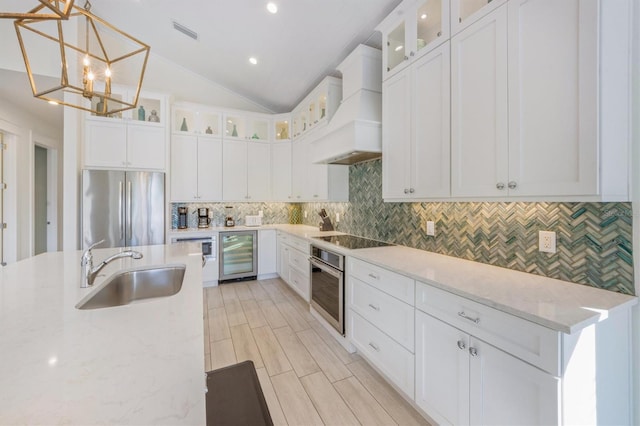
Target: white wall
24,130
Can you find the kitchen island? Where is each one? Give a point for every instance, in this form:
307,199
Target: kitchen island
141,363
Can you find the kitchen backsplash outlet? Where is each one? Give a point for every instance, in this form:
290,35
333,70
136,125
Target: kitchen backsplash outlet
593,239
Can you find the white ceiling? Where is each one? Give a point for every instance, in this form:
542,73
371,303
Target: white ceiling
296,47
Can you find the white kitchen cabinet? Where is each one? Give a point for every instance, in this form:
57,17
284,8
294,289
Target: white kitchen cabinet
316,182
317,108
242,125
196,168
462,380
195,119
247,170
267,257
411,30
553,126
479,125
293,264
416,140
119,144
281,171
541,138
466,12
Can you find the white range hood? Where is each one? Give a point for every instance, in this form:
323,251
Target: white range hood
354,133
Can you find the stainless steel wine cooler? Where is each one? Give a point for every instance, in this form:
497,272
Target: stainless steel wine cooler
238,255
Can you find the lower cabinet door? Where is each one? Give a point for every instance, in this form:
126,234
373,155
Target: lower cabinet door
507,391
442,370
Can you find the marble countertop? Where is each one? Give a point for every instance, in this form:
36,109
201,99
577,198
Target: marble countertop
559,305
141,363
304,231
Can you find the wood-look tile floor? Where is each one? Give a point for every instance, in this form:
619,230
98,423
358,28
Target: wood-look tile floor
306,376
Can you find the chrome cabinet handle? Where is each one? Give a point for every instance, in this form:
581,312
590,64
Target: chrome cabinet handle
473,320
500,186
406,190
461,344
512,185
374,346
411,190
412,53
473,351
374,276
406,58
374,307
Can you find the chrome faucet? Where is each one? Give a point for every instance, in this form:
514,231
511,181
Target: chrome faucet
89,273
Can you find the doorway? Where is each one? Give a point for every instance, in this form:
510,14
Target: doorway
45,232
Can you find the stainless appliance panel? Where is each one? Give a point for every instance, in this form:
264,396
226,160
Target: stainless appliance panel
103,200
238,255
327,293
144,198
123,208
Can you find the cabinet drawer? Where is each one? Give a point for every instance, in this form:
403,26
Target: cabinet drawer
300,283
389,282
299,261
389,314
299,243
393,360
523,339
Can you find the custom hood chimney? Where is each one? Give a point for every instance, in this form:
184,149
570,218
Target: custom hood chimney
354,134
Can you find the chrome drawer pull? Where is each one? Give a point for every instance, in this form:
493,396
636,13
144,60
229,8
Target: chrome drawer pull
473,320
473,351
461,344
374,346
375,277
377,308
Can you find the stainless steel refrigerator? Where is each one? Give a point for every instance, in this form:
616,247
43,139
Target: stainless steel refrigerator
123,208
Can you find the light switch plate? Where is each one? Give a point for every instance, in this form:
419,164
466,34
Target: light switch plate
547,241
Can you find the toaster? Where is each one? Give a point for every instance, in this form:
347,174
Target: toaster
250,220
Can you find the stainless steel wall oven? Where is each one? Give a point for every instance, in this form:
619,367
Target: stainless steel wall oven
327,286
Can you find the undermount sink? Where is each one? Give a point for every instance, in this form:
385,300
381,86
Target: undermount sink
136,284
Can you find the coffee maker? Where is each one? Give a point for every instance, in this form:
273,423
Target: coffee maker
182,217
203,217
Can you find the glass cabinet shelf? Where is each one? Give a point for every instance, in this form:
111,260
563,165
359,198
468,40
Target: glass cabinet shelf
194,120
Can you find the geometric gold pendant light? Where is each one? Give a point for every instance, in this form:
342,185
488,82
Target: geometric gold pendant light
86,70
54,9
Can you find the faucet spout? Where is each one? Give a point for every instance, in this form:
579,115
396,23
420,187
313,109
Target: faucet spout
89,273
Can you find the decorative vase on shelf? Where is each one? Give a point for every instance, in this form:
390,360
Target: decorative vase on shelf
209,130
255,136
234,132
322,114
141,113
153,118
184,127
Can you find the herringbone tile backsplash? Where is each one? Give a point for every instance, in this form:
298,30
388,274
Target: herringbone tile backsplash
593,239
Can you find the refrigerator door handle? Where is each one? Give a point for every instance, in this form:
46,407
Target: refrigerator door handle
121,209
129,211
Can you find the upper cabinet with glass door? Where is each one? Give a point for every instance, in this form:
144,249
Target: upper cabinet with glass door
195,119
466,12
150,108
243,125
317,107
414,28
281,127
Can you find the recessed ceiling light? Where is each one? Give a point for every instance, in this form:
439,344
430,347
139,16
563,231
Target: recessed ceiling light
423,16
272,7
253,61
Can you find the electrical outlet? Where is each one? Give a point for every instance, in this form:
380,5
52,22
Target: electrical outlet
260,213
305,214
337,217
431,228
547,241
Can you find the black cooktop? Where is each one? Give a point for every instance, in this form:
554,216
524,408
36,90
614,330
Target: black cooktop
353,242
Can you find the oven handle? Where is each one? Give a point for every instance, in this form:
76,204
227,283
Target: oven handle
326,268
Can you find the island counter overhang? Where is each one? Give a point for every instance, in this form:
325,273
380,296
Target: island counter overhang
141,363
